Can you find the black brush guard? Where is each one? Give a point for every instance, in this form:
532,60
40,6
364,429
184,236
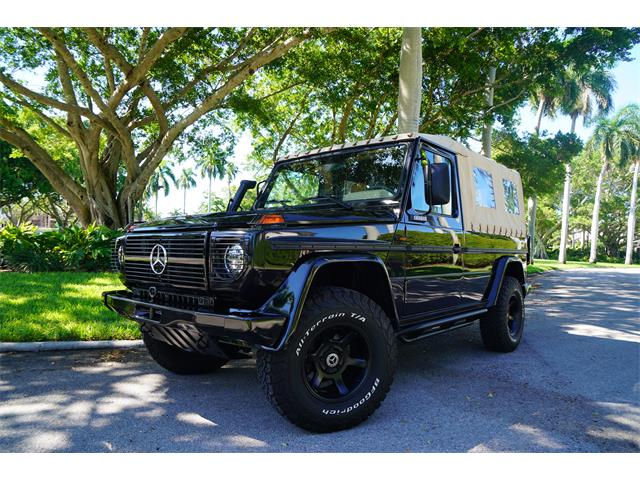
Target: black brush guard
188,327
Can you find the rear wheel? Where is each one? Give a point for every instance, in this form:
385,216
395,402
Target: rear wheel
180,361
502,327
339,364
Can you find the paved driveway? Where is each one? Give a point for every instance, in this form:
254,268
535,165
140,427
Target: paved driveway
573,385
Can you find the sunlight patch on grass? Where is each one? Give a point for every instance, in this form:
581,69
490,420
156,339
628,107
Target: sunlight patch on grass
56,306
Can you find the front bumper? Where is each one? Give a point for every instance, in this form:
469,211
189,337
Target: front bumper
253,327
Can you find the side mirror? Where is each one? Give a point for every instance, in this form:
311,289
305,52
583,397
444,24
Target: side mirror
438,187
234,203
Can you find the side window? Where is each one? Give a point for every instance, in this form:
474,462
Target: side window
510,197
483,183
419,203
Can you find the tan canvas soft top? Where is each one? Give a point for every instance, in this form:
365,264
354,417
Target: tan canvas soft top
479,218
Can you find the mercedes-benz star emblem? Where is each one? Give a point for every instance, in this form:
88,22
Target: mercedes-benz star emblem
158,259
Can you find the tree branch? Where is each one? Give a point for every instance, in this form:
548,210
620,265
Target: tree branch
51,102
287,132
219,66
374,116
19,138
111,53
42,116
143,42
71,62
506,102
120,129
155,52
211,102
390,124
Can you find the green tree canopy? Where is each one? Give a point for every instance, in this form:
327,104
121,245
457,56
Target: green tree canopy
344,87
124,96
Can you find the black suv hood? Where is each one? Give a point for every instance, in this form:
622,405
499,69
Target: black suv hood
249,219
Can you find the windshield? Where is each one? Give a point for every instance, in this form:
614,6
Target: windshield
342,178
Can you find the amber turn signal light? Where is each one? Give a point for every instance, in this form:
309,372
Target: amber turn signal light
270,218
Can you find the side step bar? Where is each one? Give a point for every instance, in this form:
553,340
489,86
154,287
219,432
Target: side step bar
426,329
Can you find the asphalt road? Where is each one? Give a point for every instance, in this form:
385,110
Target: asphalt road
573,385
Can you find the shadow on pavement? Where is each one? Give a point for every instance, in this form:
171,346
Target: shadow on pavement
571,386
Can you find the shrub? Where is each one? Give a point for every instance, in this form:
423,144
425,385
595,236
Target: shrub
22,248
582,255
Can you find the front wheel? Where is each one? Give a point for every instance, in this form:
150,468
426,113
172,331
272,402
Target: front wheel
338,366
501,328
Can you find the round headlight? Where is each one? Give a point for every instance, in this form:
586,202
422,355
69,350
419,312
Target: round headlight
234,259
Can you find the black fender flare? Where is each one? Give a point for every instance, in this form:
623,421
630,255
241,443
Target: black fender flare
290,297
500,268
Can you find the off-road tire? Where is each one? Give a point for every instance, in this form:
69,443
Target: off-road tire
282,374
180,361
494,326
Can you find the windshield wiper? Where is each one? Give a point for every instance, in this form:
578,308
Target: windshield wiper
332,199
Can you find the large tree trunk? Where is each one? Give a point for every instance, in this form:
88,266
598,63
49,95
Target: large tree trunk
566,199
631,224
184,202
564,231
532,204
487,130
574,118
596,212
541,104
209,209
410,83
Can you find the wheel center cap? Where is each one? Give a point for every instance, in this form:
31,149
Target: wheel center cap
332,360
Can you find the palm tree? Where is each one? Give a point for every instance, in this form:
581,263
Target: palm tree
210,167
629,118
583,93
186,181
160,180
545,101
586,92
230,171
605,141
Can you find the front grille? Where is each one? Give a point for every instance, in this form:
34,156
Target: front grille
114,256
218,249
185,259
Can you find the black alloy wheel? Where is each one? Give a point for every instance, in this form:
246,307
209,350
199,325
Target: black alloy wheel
337,363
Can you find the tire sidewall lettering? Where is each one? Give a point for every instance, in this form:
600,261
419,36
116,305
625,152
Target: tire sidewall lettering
359,403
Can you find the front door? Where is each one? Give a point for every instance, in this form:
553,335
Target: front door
432,238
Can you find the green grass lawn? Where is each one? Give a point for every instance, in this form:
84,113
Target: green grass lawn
59,306
68,305
545,265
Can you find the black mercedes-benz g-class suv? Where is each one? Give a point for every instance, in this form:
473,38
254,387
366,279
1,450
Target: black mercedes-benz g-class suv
345,250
